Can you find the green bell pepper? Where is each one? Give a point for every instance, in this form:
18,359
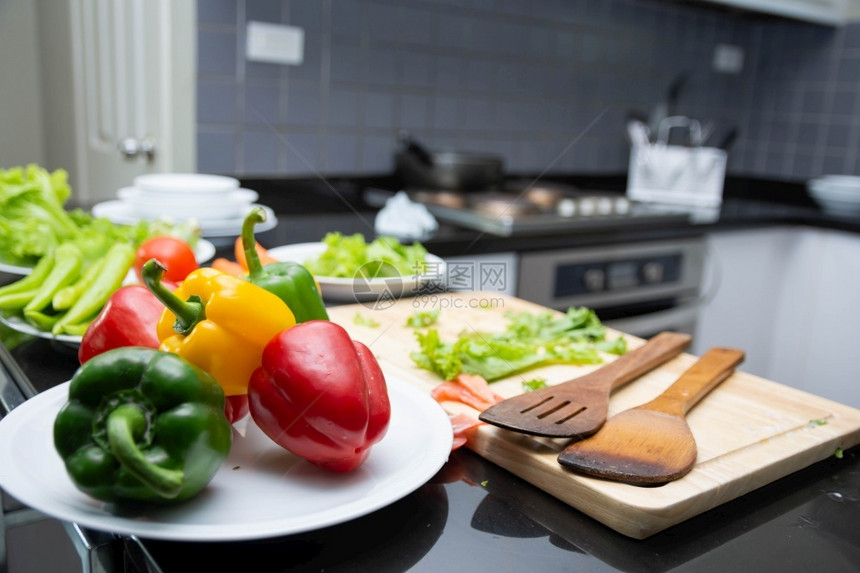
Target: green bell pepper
289,281
143,425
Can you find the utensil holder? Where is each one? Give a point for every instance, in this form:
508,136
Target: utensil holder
692,176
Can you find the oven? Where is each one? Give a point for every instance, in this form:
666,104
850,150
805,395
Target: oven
640,289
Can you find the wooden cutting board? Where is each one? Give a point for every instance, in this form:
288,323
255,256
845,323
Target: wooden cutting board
749,431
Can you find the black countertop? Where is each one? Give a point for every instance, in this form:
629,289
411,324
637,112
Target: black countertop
308,208
475,516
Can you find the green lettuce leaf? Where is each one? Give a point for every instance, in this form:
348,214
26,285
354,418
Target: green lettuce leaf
345,255
529,341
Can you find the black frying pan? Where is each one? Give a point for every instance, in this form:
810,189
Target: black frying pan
420,168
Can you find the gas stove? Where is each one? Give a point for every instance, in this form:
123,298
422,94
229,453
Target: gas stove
520,209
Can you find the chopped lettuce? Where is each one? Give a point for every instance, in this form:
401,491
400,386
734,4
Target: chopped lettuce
533,384
423,318
529,340
34,220
345,255
362,320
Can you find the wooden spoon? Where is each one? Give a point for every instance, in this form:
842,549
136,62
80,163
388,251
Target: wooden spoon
652,443
578,407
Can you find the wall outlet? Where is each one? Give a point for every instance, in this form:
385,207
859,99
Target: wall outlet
275,43
728,59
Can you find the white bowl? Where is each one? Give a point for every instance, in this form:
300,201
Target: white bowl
852,181
837,194
182,206
836,206
188,183
836,184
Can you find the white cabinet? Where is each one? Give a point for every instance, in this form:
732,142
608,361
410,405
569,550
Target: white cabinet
831,12
788,297
741,276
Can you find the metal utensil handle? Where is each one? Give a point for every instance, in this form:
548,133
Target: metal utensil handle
694,128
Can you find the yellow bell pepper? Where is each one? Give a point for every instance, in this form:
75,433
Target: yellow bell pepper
218,322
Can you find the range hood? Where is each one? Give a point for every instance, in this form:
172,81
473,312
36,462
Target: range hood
826,12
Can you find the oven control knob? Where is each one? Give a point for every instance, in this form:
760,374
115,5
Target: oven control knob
587,206
566,207
652,272
604,206
594,279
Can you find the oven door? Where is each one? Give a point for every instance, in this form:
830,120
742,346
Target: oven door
645,323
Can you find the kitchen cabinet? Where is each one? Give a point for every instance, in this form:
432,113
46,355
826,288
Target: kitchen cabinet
829,12
787,295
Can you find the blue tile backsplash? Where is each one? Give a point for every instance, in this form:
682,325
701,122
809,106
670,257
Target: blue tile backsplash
548,84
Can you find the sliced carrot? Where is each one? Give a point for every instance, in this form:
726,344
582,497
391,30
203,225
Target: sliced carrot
229,267
466,389
478,386
239,251
462,424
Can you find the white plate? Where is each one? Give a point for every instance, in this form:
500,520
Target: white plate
837,207
203,251
123,213
20,325
15,269
203,208
360,290
186,183
260,491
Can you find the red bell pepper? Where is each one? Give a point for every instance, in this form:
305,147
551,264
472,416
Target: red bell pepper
320,395
129,318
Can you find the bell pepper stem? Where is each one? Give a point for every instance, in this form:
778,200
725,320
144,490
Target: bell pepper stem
188,312
249,242
123,424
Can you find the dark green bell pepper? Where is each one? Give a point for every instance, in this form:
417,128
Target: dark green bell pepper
289,281
144,425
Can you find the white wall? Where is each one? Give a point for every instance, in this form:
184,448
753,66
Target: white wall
21,139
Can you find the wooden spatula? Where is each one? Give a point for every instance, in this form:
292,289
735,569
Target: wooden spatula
578,407
652,443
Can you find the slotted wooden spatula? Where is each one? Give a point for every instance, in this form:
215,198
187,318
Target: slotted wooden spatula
578,407
652,443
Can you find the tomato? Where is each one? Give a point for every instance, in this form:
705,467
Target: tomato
172,252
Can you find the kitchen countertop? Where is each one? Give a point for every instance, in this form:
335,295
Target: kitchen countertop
475,516
307,209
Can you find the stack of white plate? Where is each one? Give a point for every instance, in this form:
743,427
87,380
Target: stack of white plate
218,203
837,194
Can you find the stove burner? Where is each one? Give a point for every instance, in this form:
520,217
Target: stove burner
542,210
546,197
451,199
502,205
